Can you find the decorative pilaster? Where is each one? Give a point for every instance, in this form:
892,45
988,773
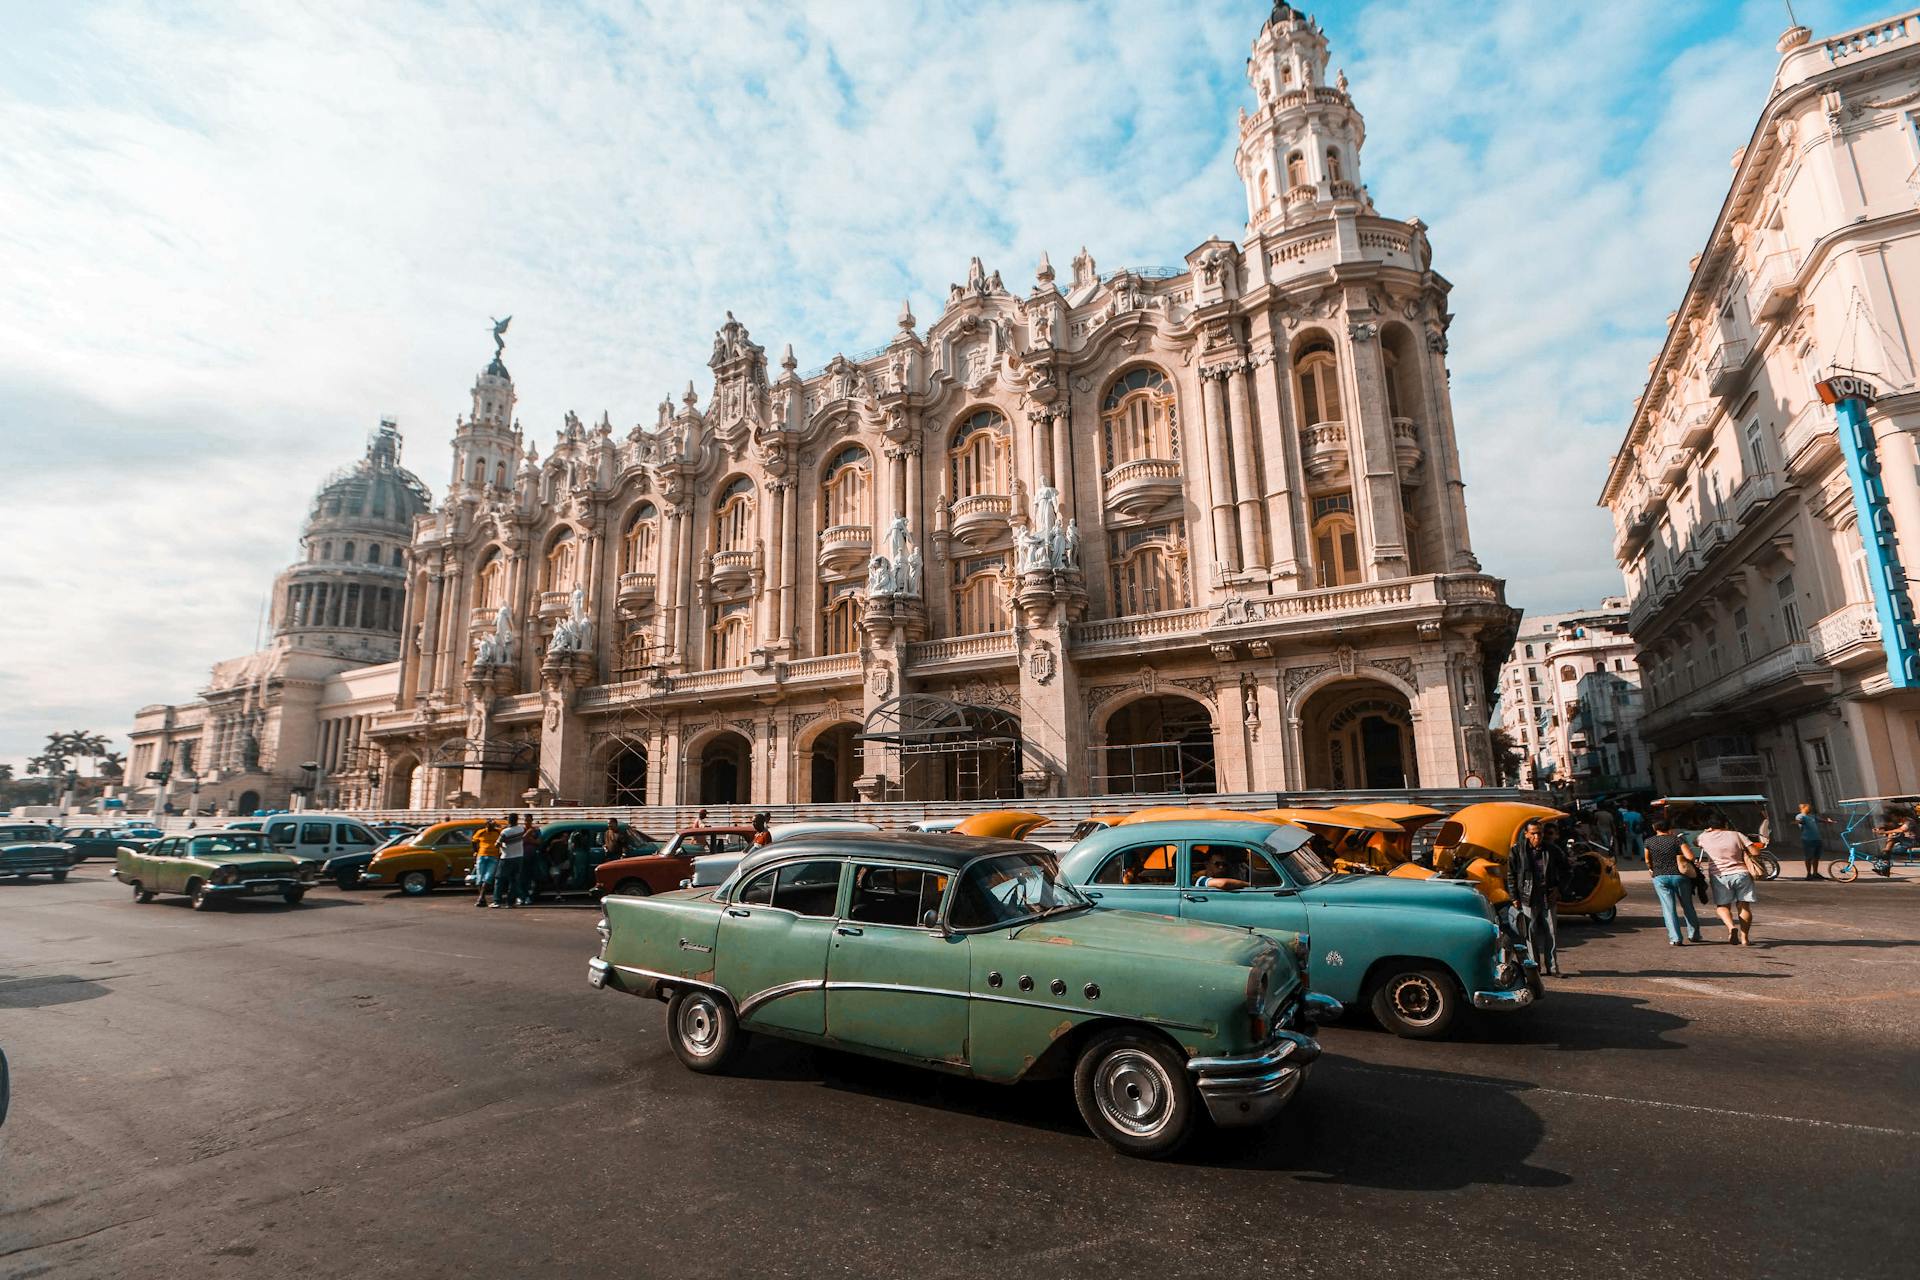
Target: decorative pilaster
1226,549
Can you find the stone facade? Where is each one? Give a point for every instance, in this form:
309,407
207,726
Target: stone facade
1570,699
1127,531
244,742
1735,523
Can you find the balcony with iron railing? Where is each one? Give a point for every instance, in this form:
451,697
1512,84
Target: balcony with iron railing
1789,673
1726,372
1849,636
1810,444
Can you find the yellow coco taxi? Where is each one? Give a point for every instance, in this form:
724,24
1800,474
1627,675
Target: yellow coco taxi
443,854
1001,824
1346,838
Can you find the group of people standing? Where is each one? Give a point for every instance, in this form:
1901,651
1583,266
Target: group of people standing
1719,868
501,866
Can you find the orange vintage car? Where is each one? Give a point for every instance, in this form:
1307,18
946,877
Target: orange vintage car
1001,824
441,855
1188,813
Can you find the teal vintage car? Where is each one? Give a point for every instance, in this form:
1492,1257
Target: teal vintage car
971,956
212,866
1415,951
27,851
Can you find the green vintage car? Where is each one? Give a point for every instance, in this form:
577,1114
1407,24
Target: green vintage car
211,866
971,956
1414,951
27,851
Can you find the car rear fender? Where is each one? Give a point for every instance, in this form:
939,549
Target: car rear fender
663,935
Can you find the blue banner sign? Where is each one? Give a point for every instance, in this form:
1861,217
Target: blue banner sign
1850,395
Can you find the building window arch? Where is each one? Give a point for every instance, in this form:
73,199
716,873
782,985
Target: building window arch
499,475
727,638
1316,376
1336,541
326,550
399,557
479,471
1148,568
1333,165
846,489
980,596
1139,418
976,455
733,516
1296,170
373,553
347,553
840,618
562,563
490,585
637,544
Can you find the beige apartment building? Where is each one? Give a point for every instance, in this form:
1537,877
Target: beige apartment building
1192,528
1570,700
1736,526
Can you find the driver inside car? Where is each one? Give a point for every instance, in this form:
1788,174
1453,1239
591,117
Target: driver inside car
1218,872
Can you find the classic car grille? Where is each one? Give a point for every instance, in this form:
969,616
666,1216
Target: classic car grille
264,871
18,860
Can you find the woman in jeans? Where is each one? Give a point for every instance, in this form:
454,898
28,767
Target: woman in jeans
1725,853
1674,890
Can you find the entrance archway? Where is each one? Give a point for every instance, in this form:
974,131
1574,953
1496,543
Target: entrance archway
1357,735
400,784
833,762
1157,744
937,749
626,774
247,803
725,770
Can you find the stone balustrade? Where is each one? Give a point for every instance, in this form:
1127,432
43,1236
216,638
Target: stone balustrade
989,644
824,667
1848,635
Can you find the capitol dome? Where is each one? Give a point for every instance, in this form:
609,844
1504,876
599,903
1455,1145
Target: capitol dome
346,592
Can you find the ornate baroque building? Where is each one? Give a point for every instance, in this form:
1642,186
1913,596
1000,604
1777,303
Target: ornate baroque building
1132,531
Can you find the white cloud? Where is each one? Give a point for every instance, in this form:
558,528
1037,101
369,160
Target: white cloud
231,239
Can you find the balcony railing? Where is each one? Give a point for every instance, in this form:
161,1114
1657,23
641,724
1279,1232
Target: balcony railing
731,568
845,546
1810,441
827,665
1144,626
481,618
979,517
706,681
637,588
1774,280
1143,485
1754,492
1406,444
1324,446
1725,372
1848,635
1794,663
555,604
989,644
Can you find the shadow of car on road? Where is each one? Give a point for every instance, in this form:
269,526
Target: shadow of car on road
46,991
264,902
1570,1019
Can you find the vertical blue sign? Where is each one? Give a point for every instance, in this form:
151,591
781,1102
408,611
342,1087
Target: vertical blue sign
1850,397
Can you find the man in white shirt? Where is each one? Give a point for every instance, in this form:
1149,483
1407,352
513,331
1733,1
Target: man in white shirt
513,861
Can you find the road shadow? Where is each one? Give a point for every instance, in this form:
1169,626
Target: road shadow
1876,944
44,992
262,903
1580,1021
1393,1128
1702,974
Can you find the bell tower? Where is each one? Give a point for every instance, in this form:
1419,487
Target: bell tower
486,443
1299,152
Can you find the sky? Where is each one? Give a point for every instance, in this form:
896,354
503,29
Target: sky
233,236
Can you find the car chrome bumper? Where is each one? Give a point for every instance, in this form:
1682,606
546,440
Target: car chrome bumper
1251,1088
1518,998
243,887
372,877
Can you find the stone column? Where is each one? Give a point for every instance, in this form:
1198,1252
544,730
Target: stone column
1284,473
563,731
916,517
777,554
1443,460
1053,714
1437,720
1246,484
430,641
790,569
1226,552
1376,498
453,628
667,589
409,649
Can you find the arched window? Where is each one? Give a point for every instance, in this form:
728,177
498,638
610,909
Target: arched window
1137,420
840,619
845,488
499,475
977,455
727,641
733,517
490,587
1567,674
1333,165
1296,171
326,551
1266,189
1149,569
636,549
397,557
562,562
479,471
373,553
1317,378
1336,541
980,597
348,555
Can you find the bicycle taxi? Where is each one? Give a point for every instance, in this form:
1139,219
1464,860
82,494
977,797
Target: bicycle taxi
1873,834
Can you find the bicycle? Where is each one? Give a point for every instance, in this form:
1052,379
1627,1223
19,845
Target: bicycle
1871,849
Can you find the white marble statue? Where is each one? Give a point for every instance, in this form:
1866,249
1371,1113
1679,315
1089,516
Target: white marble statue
574,633
1046,527
879,577
897,541
1070,548
910,585
496,650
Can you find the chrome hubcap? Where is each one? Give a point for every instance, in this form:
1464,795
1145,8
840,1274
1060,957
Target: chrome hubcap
1416,999
699,1025
1133,1092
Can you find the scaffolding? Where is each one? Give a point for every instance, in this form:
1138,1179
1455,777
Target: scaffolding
1155,768
933,745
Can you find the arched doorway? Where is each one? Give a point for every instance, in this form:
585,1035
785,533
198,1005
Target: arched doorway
400,784
725,770
1157,744
1357,735
833,762
626,774
937,749
247,803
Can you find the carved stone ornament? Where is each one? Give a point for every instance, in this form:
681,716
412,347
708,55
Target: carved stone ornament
880,680
1343,658
1400,668
1299,677
1201,687
1233,611
1040,663
553,714
1363,331
1428,630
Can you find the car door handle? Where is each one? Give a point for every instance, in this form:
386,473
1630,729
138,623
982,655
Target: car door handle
1194,897
1092,894
736,911
848,931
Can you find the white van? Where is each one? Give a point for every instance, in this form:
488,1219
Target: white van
714,868
319,836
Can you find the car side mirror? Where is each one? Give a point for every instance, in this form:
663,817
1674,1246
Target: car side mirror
931,919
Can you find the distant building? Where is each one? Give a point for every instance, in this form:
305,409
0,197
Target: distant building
306,698
1756,605
1570,699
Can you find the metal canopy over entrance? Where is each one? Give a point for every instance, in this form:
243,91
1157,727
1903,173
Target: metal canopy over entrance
489,755
938,749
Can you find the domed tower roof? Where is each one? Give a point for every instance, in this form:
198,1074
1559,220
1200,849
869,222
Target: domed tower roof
345,592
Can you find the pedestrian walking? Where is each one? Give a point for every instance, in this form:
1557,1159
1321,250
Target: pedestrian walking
1606,826
1635,827
1670,859
1730,877
1810,842
524,883
513,856
486,848
760,833
1532,875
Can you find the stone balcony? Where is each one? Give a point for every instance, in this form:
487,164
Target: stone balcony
991,648
845,547
1407,453
1810,444
731,569
1727,371
1756,491
481,618
1139,488
1775,285
1324,448
1848,637
1696,427
637,590
1789,675
555,604
979,518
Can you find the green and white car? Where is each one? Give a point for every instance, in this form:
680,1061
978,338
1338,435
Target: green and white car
209,867
971,956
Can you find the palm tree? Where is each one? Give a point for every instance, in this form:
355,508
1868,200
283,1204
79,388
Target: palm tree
110,764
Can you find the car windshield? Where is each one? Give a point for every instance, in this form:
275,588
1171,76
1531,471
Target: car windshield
26,833
228,842
1304,865
1010,889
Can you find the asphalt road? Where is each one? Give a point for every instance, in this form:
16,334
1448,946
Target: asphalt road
367,1086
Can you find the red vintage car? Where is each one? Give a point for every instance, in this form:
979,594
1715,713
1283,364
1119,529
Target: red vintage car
659,872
